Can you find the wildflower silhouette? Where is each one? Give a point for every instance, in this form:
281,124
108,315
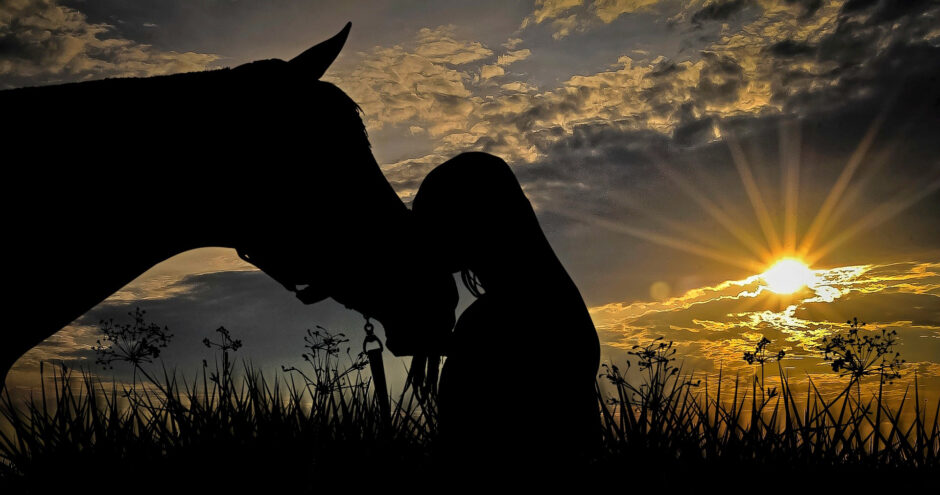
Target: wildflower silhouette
135,343
225,344
323,350
858,356
761,356
655,362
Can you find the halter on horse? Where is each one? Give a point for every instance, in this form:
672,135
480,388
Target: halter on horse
108,178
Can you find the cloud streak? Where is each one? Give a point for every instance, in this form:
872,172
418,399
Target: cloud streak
42,42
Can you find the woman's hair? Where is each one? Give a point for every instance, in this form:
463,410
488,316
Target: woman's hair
477,213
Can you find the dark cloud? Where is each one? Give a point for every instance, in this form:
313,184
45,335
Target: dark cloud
879,74
790,48
892,10
861,59
42,42
246,31
664,68
877,308
720,81
857,5
719,10
692,131
809,6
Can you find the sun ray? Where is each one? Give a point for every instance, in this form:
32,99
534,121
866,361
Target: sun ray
824,313
753,192
859,188
790,150
877,216
663,240
676,226
835,193
870,173
713,210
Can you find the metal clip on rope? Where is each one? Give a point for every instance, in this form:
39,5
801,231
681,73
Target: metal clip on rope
373,348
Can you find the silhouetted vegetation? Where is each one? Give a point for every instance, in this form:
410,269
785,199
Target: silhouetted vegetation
224,429
236,428
134,343
857,356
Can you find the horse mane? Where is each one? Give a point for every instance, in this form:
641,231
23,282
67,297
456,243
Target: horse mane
344,107
331,102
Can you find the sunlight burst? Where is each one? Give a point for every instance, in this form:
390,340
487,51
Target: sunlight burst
788,276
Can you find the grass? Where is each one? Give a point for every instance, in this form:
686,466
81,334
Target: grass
319,426
671,416
225,429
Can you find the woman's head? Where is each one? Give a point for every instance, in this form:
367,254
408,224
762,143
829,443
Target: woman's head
476,217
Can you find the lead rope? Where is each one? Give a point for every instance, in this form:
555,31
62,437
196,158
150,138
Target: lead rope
378,369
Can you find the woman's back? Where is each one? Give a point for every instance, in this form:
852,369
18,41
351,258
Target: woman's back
520,385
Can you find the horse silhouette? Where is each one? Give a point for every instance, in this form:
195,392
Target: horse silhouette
517,390
107,178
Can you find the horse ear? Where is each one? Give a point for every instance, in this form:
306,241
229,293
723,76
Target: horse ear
315,60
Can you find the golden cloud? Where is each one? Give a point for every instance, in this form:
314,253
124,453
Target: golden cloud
608,10
550,9
50,43
714,325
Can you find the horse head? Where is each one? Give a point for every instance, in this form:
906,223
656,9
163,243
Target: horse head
371,257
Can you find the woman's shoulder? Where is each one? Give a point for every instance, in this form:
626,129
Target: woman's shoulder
482,307
486,312
489,310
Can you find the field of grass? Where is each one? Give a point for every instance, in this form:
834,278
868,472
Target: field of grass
233,428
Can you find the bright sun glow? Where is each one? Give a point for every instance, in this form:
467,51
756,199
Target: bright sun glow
787,276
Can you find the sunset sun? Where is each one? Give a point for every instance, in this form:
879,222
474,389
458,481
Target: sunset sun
787,276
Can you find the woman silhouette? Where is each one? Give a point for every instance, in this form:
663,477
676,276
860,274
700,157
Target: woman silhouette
518,385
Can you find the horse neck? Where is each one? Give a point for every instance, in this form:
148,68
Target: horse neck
65,264
89,261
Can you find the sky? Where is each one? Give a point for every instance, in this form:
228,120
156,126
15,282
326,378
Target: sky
674,151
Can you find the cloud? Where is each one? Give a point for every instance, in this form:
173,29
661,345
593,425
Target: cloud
496,70
512,43
809,6
564,26
717,324
720,81
549,9
513,56
42,42
417,84
255,308
439,46
519,87
490,71
778,64
719,10
569,16
610,169
609,10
